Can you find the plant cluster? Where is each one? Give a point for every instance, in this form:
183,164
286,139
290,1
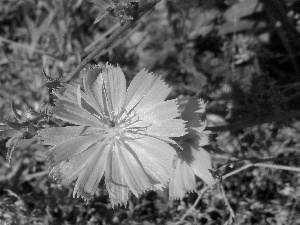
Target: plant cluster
151,111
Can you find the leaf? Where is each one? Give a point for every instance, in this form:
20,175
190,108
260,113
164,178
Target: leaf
13,107
11,144
52,83
6,131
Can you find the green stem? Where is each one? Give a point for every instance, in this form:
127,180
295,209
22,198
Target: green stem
290,168
200,194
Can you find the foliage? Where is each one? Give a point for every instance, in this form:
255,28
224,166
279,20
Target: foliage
242,57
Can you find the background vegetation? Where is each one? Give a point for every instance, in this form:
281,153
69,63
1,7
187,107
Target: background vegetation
241,56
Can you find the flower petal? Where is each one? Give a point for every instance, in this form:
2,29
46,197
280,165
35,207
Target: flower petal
107,88
157,93
89,78
132,170
70,148
56,135
115,86
182,181
74,114
156,157
115,182
158,120
202,164
204,138
93,171
192,108
67,171
159,111
141,87
83,100
163,129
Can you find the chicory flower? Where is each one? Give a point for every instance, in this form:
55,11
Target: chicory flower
122,134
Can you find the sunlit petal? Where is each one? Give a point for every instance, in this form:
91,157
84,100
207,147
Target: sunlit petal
183,180
134,174
156,157
115,85
202,164
89,78
115,182
70,148
93,171
192,160
67,171
74,114
56,135
139,87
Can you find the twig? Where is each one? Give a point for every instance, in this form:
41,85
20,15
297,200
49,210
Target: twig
296,169
110,40
231,174
232,214
200,194
35,175
101,38
100,48
279,167
243,168
121,40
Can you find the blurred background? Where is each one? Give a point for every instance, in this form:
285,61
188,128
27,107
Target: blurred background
243,57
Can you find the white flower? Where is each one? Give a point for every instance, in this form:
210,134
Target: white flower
192,159
121,134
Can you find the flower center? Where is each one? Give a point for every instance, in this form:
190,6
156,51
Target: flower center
115,131
112,123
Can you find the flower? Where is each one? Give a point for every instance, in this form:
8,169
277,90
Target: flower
122,134
192,159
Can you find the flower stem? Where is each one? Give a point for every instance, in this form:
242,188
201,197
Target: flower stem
290,168
200,194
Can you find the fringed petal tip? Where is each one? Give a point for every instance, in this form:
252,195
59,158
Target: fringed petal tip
116,202
201,106
182,195
84,195
159,187
119,202
175,198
